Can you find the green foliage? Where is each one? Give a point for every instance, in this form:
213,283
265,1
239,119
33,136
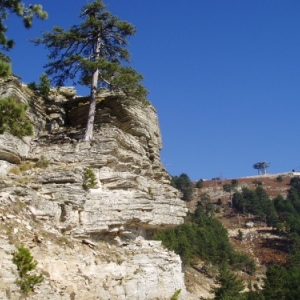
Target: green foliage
203,236
176,295
227,187
33,86
282,283
18,8
26,264
13,118
44,85
257,182
230,187
240,235
93,53
200,184
230,287
234,183
256,202
4,57
279,178
5,69
183,184
42,163
89,178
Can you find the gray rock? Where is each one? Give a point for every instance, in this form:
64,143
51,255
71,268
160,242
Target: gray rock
94,241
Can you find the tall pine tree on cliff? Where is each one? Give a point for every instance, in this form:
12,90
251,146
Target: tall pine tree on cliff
93,53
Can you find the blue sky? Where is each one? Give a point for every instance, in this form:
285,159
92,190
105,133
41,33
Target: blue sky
224,76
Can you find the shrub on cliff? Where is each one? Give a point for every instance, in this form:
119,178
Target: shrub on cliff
13,118
5,69
89,178
44,85
26,264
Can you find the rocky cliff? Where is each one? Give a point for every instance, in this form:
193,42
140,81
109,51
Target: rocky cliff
89,243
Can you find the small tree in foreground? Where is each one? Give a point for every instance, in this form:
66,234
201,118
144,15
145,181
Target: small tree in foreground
26,264
92,54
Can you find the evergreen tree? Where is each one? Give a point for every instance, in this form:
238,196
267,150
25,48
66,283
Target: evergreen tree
44,85
200,184
92,53
274,284
18,8
185,185
228,188
230,287
25,264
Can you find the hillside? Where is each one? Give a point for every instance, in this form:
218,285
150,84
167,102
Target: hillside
260,242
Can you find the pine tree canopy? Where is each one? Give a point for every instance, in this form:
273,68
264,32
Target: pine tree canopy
26,13
94,54
99,42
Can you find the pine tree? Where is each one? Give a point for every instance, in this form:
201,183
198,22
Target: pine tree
26,13
184,184
25,264
92,54
230,287
44,85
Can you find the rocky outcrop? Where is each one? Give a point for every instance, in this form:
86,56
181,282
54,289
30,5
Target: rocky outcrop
107,229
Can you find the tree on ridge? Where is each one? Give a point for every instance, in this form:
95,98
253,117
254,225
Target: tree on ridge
92,54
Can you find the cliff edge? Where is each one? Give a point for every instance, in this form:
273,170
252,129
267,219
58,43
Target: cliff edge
90,243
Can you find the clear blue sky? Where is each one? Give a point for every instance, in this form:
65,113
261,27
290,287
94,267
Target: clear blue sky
224,76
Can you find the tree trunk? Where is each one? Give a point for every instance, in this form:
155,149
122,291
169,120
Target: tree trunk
92,109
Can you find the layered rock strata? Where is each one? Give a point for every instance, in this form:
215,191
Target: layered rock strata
107,251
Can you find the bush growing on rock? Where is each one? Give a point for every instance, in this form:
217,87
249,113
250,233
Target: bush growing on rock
89,178
25,264
5,69
13,118
44,85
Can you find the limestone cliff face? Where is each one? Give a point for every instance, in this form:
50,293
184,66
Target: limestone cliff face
96,243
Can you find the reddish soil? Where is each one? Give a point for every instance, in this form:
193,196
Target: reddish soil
260,242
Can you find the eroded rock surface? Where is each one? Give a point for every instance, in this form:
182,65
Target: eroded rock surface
107,251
